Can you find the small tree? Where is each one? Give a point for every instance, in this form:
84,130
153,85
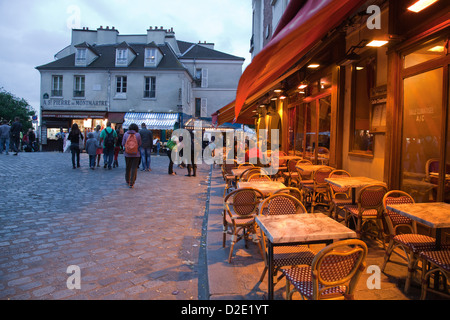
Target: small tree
11,107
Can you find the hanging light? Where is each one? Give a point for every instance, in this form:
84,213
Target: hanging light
377,43
420,5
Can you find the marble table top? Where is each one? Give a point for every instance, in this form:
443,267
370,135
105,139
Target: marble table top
352,182
307,227
432,214
309,167
266,187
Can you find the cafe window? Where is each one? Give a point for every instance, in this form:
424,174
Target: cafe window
425,118
363,80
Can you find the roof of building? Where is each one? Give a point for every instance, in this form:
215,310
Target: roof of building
107,56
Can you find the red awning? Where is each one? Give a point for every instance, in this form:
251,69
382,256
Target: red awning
313,20
227,114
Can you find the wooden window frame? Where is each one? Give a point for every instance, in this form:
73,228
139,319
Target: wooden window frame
372,53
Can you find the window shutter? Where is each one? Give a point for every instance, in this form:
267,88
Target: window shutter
204,107
204,78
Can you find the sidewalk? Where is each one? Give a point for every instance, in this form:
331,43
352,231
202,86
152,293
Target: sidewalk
240,279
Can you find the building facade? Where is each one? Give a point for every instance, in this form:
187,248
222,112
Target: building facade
154,78
360,85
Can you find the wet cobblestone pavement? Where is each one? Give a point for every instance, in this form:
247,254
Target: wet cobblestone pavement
140,243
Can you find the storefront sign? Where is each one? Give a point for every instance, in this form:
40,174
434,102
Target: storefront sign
62,102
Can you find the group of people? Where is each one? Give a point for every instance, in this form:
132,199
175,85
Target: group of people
12,136
136,145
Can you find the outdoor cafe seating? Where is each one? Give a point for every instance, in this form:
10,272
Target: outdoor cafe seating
410,242
280,204
239,211
312,274
332,275
319,190
368,210
340,196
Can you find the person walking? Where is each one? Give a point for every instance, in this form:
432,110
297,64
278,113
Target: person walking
146,147
118,147
60,136
91,149
75,136
172,148
158,146
195,152
4,136
31,140
131,143
108,138
15,132
100,148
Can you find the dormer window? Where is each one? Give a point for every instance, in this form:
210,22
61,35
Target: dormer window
150,57
80,57
122,57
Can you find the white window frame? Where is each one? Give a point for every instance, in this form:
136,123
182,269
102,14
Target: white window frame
150,57
57,86
80,56
149,87
121,85
122,57
79,85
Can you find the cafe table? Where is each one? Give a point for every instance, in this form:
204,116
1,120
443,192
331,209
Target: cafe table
435,215
299,229
309,167
266,187
353,183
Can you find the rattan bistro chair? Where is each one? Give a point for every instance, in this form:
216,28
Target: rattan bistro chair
248,172
369,209
228,176
339,196
319,190
239,211
333,274
283,256
295,192
435,262
291,175
411,242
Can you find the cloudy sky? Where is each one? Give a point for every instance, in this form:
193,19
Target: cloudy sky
33,31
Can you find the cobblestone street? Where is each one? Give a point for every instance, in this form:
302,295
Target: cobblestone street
140,243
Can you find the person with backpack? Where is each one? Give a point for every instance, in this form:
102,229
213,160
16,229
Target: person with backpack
108,138
131,143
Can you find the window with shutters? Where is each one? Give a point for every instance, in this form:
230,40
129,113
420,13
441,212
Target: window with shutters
204,78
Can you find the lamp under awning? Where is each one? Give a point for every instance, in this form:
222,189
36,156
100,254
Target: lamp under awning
152,120
313,20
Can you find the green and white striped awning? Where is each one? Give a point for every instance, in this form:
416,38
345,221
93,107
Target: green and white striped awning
153,120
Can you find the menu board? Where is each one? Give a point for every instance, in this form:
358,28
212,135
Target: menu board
378,98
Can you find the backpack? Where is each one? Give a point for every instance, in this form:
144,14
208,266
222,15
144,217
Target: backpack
131,146
109,140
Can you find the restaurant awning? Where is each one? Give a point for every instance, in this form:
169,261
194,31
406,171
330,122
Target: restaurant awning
227,114
153,120
305,23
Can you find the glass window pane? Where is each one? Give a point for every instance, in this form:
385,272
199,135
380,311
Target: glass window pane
311,129
428,51
300,130
422,116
